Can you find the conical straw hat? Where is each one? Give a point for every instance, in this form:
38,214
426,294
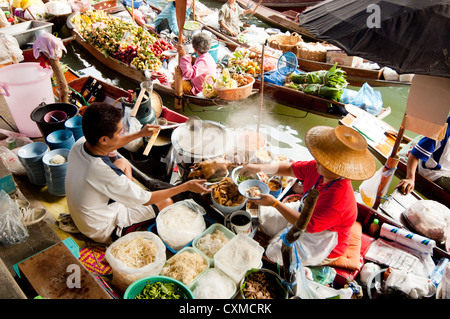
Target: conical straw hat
341,150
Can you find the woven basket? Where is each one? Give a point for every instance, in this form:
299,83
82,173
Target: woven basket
303,53
238,93
285,43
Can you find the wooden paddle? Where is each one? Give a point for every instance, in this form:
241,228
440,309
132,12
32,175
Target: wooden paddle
254,10
181,17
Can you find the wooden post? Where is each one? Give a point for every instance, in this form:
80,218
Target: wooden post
295,233
181,17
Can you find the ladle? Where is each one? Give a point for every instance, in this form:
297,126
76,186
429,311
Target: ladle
145,86
193,123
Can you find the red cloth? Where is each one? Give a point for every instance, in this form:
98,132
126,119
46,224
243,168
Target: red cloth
336,208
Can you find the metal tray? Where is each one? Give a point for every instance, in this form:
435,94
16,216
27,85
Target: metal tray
27,32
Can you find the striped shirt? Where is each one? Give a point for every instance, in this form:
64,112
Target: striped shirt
434,156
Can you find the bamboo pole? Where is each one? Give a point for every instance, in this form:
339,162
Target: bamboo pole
295,233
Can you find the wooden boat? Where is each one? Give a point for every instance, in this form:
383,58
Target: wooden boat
381,149
287,5
355,76
139,76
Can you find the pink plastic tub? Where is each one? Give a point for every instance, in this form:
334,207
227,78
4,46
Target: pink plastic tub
25,86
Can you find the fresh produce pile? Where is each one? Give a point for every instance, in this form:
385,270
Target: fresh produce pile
244,62
326,84
119,39
160,46
159,290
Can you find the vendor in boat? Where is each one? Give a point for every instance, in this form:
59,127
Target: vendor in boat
340,155
229,15
102,198
204,65
431,159
167,19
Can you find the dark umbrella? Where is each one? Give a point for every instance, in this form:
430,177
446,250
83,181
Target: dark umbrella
410,36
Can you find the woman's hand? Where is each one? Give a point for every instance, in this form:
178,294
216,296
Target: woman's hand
181,50
149,130
265,200
250,169
197,186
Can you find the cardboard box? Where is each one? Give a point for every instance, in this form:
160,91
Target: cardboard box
342,58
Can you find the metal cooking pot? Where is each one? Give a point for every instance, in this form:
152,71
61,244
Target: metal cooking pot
190,28
209,140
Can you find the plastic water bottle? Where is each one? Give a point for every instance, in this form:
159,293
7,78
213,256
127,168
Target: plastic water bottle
436,275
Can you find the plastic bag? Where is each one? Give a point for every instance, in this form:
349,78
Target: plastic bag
80,5
430,219
369,188
132,125
124,275
12,162
57,8
12,230
179,223
366,98
9,49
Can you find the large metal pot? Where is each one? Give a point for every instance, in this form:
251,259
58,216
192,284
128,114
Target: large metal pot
190,28
209,140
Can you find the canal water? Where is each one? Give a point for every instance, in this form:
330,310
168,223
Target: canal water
295,123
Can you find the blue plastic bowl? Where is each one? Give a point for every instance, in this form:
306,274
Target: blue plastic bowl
245,185
49,155
32,152
74,125
136,287
60,139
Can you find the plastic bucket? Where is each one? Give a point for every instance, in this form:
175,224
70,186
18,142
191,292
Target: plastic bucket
214,50
25,86
39,115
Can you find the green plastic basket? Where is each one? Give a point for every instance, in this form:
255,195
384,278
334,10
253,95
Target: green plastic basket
136,287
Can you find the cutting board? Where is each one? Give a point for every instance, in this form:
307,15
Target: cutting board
54,273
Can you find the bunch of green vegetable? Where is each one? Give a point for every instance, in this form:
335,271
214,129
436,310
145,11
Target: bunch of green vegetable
334,77
159,290
326,84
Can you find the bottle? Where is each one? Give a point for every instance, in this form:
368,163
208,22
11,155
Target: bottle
95,94
436,275
87,91
130,96
374,228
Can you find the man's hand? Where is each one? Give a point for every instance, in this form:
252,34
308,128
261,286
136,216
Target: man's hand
406,185
197,186
149,130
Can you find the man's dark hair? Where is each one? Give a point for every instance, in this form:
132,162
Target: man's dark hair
100,119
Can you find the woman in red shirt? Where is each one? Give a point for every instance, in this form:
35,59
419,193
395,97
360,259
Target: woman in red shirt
341,155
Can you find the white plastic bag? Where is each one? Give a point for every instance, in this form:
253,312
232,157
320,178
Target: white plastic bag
369,188
123,275
12,162
12,230
179,223
430,219
57,8
9,49
132,125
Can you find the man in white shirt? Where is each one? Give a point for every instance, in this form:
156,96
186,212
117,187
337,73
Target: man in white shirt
102,199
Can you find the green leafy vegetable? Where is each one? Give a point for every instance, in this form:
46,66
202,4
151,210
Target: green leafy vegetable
159,290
